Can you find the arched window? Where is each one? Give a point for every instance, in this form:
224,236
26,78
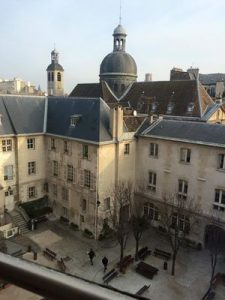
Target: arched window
52,76
49,76
59,76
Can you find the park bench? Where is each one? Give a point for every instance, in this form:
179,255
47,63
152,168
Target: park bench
143,252
142,290
127,260
61,265
146,270
49,253
163,254
110,275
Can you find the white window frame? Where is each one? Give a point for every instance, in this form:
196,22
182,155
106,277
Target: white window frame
65,194
31,167
8,172
152,180
53,144
85,151
31,143
70,173
87,178
151,211
153,149
32,193
6,145
185,155
219,201
181,222
182,186
221,161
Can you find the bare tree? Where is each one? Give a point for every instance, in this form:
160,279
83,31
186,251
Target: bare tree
178,218
138,221
122,195
215,243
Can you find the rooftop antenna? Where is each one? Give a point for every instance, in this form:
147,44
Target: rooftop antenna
120,12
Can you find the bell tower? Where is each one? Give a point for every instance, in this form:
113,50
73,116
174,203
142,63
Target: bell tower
55,73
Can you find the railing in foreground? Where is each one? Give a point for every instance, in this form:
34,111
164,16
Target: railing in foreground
52,284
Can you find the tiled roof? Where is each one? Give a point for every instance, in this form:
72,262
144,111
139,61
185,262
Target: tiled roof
194,132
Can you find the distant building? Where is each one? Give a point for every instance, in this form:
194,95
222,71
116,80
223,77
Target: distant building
55,80
18,86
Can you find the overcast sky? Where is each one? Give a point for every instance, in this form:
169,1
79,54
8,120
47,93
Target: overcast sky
161,34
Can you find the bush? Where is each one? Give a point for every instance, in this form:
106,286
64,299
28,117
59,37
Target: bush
64,220
88,233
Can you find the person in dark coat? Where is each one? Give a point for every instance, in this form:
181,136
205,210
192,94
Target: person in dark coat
105,262
91,255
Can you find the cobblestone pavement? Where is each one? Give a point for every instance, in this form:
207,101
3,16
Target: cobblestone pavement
189,283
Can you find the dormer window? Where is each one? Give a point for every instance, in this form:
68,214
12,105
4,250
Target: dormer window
74,119
170,107
154,107
190,107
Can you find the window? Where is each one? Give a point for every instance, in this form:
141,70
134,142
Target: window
31,167
190,107
152,181
154,107
9,192
8,172
170,107
74,119
53,144
6,145
153,150
219,202
84,204
55,168
54,190
52,76
151,211
85,151
59,76
185,155
70,173
107,203
180,222
65,212
31,192
221,162
182,189
81,218
30,143
87,178
49,76
126,148
65,147
65,194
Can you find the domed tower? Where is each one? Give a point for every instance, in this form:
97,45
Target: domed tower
118,68
55,76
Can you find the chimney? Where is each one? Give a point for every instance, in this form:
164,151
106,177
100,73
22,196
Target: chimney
116,122
193,73
148,77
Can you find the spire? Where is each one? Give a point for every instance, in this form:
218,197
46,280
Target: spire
120,18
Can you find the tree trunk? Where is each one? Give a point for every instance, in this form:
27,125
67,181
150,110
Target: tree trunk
121,255
136,251
173,263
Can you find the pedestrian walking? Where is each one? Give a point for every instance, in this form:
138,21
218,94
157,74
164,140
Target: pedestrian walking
105,262
91,255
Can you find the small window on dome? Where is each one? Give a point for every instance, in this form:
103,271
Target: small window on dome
190,107
52,76
59,76
170,107
154,107
49,76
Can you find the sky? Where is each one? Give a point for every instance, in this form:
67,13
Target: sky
161,35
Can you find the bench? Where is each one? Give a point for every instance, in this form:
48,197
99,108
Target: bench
146,270
61,265
127,260
142,290
143,252
110,275
163,254
49,253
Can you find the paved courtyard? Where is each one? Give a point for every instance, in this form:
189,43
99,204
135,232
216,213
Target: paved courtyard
189,283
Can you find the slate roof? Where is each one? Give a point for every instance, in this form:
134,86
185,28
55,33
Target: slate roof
213,78
22,114
194,132
93,124
141,95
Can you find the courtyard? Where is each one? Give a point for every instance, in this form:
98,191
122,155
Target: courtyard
192,268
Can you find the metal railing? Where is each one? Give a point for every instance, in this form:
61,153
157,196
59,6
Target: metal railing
55,285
